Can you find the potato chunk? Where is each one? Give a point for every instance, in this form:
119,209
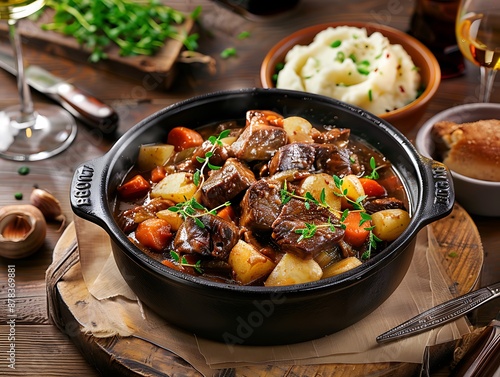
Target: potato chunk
316,183
353,185
294,270
341,266
248,263
151,156
298,130
390,223
173,218
178,187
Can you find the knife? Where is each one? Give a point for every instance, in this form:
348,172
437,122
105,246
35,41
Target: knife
80,104
441,314
483,356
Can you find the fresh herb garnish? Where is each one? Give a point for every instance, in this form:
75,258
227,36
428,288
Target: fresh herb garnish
340,57
228,52
363,67
243,35
23,170
307,198
336,43
199,177
183,261
373,165
356,204
136,27
310,230
191,208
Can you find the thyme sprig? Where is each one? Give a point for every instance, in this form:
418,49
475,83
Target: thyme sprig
374,173
310,230
191,208
308,198
199,177
372,243
356,204
183,261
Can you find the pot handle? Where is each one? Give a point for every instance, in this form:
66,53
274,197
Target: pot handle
86,191
439,196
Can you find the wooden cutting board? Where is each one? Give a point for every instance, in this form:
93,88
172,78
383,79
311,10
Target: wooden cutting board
160,68
460,254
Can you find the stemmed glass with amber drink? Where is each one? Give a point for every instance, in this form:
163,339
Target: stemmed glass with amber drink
478,36
28,133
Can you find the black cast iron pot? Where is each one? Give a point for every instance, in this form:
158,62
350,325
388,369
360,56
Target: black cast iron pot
263,315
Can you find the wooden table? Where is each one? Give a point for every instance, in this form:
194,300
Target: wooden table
41,350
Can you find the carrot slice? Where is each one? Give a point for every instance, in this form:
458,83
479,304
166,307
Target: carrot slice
355,234
134,188
154,233
158,173
183,138
227,213
372,187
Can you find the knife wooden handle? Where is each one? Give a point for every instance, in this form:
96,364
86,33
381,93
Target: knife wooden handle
88,109
483,357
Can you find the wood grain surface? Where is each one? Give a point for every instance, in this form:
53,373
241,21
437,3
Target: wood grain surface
163,64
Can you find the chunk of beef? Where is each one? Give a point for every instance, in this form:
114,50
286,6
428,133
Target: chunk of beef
229,125
187,160
333,160
338,136
130,218
296,156
216,238
226,183
267,117
258,142
327,158
295,216
264,244
260,205
219,156
375,205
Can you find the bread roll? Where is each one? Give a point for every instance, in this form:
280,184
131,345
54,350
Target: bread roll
471,149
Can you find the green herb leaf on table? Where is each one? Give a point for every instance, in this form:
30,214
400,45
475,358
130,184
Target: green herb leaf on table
136,27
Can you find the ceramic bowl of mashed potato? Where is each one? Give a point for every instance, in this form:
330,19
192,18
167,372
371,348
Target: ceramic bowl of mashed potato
375,67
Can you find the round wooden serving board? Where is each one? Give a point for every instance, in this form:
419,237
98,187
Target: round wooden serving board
460,254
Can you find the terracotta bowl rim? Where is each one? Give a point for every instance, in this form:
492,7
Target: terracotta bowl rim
389,32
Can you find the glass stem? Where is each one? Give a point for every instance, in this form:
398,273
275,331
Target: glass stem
487,80
27,112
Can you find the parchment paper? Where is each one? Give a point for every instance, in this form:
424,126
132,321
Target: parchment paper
114,309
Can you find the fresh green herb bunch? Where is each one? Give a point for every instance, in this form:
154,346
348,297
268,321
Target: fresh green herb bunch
138,27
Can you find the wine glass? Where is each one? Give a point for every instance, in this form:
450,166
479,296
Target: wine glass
26,133
478,36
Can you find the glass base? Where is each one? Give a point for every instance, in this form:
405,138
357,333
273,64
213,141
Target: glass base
48,132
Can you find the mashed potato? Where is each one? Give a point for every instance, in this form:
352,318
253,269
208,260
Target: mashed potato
347,64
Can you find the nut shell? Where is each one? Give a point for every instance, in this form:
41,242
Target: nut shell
22,230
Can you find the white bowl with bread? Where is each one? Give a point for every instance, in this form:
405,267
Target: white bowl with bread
466,138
